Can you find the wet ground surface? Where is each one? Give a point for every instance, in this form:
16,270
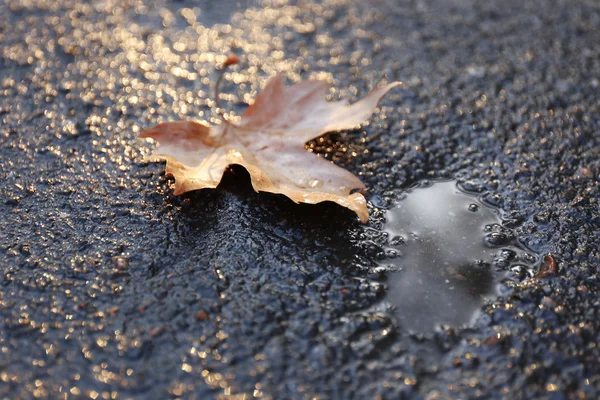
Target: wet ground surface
111,287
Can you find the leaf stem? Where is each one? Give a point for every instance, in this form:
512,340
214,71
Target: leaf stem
217,101
231,59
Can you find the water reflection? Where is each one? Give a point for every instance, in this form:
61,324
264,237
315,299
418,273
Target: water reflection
445,263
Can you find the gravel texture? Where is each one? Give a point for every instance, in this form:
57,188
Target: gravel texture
110,287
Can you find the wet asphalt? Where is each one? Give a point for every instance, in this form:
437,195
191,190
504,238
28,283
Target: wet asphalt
112,288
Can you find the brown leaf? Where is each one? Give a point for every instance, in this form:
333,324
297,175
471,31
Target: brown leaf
202,315
268,142
548,268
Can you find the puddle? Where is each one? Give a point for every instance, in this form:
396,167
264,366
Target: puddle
450,251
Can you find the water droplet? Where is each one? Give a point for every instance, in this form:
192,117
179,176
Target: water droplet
392,253
315,183
508,254
528,258
497,239
397,240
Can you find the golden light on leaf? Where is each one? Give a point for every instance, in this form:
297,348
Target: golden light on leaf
268,141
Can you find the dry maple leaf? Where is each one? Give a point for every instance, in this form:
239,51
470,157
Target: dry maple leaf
268,141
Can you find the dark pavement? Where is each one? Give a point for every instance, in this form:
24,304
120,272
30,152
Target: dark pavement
110,287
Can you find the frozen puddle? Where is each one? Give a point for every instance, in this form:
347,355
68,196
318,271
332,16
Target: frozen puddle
449,246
